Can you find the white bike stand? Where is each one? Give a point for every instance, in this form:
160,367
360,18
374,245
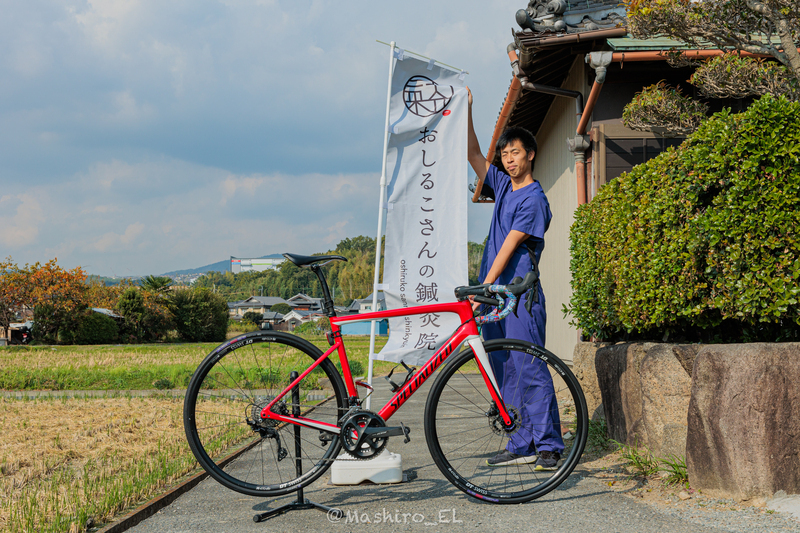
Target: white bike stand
386,467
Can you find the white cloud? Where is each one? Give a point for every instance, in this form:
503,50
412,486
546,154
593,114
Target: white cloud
148,136
20,218
113,240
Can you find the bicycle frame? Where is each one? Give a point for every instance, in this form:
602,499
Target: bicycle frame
467,332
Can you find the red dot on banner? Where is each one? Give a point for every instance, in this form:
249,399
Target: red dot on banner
447,112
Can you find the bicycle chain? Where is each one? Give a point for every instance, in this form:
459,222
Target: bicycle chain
344,456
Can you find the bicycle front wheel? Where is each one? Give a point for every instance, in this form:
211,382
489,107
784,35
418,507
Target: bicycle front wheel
465,433
226,395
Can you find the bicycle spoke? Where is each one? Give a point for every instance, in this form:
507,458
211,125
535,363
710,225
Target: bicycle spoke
225,400
462,437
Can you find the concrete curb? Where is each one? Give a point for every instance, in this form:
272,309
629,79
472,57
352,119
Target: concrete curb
150,508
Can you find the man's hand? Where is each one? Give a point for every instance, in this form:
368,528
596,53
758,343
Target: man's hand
475,305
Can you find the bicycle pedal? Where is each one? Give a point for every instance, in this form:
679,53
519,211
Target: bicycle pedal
406,431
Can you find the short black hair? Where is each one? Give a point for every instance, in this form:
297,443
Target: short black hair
517,134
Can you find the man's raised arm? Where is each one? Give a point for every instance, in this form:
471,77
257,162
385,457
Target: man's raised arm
474,155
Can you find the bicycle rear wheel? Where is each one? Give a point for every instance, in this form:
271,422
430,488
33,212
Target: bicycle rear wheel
222,408
463,430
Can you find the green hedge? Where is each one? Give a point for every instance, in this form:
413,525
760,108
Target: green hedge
199,314
701,242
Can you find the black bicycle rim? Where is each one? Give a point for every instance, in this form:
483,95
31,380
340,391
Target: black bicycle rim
226,395
462,432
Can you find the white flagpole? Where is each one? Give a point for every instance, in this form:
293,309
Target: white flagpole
382,206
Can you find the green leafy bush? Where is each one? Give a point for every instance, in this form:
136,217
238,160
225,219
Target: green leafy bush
95,328
700,243
200,315
253,317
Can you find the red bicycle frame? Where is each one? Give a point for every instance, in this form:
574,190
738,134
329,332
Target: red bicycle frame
467,332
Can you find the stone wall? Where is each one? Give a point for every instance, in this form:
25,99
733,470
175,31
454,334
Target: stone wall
644,389
732,410
744,420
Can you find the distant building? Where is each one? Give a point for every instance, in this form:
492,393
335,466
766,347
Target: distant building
304,302
364,305
257,304
239,264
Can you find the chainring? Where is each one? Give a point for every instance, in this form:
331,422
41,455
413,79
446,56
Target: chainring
356,442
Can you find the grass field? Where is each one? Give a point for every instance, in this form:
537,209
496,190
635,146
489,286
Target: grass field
67,463
129,367
73,462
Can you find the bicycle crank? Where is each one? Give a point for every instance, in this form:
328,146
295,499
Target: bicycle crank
364,434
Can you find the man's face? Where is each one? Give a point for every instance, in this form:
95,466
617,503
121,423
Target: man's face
516,160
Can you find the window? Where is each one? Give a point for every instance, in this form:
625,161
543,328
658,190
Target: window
617,149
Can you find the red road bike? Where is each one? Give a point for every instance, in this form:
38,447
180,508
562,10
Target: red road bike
277,389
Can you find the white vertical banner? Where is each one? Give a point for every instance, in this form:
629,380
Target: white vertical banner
426,226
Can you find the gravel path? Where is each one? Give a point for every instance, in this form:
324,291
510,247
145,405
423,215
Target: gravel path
585,502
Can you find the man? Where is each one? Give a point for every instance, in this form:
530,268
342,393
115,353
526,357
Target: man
515,243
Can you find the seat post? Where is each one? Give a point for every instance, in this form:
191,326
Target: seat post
327,304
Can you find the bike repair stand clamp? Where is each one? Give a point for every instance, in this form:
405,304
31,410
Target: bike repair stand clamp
301,503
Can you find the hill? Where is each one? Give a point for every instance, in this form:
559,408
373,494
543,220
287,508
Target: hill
220,266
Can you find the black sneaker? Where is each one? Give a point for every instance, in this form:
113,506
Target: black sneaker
506,458
547,460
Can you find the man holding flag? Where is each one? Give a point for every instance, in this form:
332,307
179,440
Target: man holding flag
514,246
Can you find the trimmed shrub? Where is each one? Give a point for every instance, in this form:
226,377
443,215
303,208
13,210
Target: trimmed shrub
200,315
95,328
701,242
253,317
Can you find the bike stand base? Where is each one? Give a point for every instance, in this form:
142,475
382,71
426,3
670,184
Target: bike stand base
299,505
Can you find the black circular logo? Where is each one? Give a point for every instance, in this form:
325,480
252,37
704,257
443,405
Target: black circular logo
424,97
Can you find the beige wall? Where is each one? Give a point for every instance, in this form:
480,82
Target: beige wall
555,170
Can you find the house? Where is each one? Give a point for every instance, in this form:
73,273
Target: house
295,317
304,302
272,318
256,304
364,305
565,54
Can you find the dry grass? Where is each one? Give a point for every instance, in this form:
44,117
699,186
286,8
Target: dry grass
68,463
126,356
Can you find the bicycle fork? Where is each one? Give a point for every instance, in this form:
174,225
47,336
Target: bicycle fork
489,378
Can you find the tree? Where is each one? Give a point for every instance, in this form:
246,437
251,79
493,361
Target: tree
747,25
200,315
14,287
735,25
131,307
253,317
57,296
156,284
281,308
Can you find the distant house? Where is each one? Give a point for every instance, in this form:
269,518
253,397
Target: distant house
272,318
304,302
256,304
107,312
365,304
295,317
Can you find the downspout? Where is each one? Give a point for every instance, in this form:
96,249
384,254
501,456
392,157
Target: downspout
578,144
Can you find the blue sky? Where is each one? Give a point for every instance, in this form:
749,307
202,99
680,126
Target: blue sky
143,136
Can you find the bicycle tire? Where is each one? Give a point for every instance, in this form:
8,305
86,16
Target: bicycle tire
232,385
461,435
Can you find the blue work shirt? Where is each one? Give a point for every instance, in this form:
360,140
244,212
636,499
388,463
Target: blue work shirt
526,210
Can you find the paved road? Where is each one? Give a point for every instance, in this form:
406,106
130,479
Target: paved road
426,502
